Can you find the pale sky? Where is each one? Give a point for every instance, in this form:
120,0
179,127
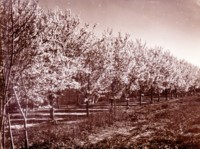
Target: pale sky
171,24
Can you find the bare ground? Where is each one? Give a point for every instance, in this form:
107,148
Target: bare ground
171,124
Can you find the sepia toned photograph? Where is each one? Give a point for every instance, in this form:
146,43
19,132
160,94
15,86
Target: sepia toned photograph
100,74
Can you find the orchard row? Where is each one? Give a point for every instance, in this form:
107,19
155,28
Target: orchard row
46,52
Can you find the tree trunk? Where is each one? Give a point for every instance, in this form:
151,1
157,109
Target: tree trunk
111,103
25,120
171,93
2,85
194,90
3,134
175,93
127,103
2,88
26,133
140,97
151,95
1,146
158,96
114,103
10,131
166,94
57,103
51,102
87,108
52,113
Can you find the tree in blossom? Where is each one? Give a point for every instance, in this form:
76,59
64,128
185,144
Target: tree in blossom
18,47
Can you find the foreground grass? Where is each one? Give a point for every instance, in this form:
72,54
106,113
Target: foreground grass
170,124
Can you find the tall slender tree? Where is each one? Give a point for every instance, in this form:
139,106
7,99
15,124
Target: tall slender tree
18,44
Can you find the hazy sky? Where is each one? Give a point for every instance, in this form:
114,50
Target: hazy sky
172,24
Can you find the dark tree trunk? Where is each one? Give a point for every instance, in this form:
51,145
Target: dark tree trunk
52,113
175,93
87,108
140,97
166,94
194,90
171,93
111,103
127,103
158,96
26,134
10,131
57,103
151,92
51,102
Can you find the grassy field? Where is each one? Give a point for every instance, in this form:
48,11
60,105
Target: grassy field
171,124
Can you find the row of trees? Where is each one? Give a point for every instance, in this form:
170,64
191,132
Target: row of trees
45,52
